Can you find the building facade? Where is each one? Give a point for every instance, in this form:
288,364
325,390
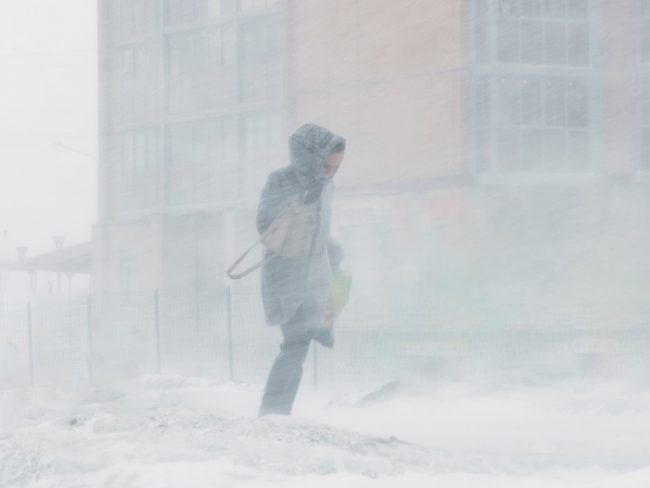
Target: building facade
504,143
193,104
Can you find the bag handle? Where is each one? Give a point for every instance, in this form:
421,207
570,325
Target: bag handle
247,271
237,276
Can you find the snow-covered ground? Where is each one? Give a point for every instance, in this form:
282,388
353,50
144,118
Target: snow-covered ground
177,432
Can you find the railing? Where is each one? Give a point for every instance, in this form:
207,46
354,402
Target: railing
221,334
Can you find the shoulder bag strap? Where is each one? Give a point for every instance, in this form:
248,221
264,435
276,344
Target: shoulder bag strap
237,276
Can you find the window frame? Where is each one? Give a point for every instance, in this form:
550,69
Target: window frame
486,126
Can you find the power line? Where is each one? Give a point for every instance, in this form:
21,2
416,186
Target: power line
46,53
44,67
74,150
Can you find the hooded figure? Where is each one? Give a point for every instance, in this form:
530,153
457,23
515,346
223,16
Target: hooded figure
295,290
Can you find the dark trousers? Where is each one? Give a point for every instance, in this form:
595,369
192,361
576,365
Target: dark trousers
286,372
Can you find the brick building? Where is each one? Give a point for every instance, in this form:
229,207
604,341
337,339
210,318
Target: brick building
505,143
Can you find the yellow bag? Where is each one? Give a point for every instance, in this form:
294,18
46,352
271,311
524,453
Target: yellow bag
339,295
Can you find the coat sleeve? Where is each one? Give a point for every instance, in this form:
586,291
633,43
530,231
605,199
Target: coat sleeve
273,201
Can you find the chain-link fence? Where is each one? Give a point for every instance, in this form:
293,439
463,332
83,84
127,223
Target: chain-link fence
221,334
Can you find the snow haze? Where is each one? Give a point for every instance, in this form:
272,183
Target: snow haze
492,208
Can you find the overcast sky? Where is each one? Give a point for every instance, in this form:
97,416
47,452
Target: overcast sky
48,117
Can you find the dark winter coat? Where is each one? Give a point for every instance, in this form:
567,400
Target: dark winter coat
290,283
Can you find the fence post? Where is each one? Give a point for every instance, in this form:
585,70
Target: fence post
231,368
315,355
30,344
90,336
156,311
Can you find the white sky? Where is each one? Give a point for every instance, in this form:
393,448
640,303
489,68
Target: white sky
48,96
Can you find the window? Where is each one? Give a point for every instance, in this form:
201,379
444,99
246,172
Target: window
140,163
262,135
253,4
185,11
261,78
138,65
206,142
537,32
643,47
541,123
128,275
202,160
201,69
532,92
140,152
643,8
644,119
138,17
479,10
200,52
262,143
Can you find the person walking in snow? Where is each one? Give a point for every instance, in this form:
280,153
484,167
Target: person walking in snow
297,268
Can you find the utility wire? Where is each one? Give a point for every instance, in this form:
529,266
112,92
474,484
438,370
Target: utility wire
41,67
46,53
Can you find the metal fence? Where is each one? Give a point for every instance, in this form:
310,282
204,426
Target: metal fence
221,334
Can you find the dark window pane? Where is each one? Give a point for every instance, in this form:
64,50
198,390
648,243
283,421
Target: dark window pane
578,9
554,101
644,41
509,149
261,76
532,143
251,4
208,8
556,8
212,49
509,7
644,8
144,65
145,16
644,100
181,54
509,101
482,123
555,150
204,138
127,64
531,113
128,161
555,43
479,8
578,150
645,149
146,150
577,104
127,26
482,103
180,11
531,8
181,145
229,46
482,148
260,41
508,41
532,42
481,42
578,44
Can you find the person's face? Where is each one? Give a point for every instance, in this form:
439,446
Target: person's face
332,164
